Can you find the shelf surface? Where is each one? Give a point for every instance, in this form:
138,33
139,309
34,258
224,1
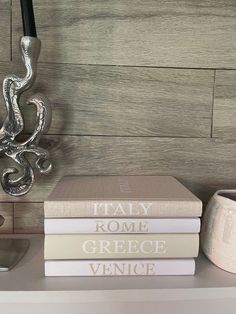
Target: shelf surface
27,278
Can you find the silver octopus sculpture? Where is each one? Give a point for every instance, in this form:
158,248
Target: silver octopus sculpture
13,182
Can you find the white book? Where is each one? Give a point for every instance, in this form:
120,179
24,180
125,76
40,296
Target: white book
120,225
120,267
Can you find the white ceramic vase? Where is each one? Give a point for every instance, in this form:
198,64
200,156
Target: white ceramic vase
218,234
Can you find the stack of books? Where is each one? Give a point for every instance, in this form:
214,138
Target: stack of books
121,225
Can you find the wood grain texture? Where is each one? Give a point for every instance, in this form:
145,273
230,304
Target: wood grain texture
175,33
28,218
97,100
130,117
203,165
5,33
6,211
224,123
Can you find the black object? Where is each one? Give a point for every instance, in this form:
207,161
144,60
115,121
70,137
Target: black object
28,20
231,196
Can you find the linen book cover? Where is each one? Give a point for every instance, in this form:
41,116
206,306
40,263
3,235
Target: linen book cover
121,196
111,246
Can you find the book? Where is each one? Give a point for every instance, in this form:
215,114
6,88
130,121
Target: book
120,267
121,225
123,246
121,196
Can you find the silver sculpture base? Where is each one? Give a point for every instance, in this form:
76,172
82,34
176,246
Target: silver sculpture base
11,252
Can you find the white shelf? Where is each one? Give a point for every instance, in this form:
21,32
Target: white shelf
211,288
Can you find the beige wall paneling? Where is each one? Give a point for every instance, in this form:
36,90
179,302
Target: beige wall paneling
202,164
5,30
6,68
6,212
175,33
131,117
28,218
224,123
121,101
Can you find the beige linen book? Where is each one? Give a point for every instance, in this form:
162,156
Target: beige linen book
121,196
84,246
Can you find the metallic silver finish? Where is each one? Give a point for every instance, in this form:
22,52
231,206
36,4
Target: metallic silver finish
2,220
13,87
11,252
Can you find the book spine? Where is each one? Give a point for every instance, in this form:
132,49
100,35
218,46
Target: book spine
104,246
122,209
120,225
120,267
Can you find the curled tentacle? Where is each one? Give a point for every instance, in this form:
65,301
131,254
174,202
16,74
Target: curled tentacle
43,117
42,162
22,184
43,121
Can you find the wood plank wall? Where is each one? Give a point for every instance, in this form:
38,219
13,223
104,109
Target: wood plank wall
137,87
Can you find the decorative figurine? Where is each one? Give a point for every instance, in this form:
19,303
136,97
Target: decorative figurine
13,87
12,250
